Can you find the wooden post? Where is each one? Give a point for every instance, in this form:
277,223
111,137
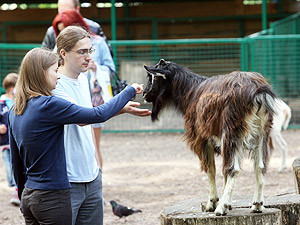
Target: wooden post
288,203
296,170
189,213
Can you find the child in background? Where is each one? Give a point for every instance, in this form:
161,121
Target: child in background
6,101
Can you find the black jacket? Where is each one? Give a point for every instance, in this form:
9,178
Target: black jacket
4,120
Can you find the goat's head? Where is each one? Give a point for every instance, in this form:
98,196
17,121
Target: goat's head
157,89
157,80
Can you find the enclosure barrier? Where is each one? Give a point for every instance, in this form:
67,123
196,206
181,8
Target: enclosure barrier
276,57
288,25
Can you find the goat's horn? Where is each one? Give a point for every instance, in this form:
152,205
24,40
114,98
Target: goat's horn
160,75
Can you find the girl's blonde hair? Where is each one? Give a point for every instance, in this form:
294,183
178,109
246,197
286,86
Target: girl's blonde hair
68,38
32,80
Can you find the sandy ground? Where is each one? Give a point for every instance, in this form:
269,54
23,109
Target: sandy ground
150,171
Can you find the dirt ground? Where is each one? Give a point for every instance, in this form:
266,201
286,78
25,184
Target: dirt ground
150,171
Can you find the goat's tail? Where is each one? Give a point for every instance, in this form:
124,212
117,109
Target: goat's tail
265,96
265,100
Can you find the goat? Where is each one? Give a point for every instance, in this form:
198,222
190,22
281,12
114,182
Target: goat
228,115
281,121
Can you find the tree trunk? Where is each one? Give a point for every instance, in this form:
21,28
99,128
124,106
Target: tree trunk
189,213
296,169
288,203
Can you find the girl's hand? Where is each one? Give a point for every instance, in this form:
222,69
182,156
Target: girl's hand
138,88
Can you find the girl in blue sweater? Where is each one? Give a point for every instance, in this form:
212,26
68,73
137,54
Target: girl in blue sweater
36,126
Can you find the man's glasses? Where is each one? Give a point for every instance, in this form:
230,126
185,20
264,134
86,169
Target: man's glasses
84,52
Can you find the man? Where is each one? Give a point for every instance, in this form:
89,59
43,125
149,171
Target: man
74,47
50,38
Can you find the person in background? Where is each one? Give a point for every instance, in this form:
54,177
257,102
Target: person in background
49,40
101,61
36,134
6,101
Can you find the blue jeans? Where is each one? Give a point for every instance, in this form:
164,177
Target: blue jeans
87,202
8,167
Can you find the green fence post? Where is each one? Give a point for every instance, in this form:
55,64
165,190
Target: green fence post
252,54
295,26
272,59
4,53
127,16
265,57
114,29
244,55
264,15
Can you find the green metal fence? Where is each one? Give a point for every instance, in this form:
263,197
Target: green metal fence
275,56
288,25
11,56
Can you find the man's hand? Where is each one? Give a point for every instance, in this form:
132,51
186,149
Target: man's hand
131,108
3,129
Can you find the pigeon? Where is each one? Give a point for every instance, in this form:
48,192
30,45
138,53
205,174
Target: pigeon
120,210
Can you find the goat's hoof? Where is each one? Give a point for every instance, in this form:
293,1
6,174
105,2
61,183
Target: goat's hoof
222,209
219,214
257,207
210,209
211,205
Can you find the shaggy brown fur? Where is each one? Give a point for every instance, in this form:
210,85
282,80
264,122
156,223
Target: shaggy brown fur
212,107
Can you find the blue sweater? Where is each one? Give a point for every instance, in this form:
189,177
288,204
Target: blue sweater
37,140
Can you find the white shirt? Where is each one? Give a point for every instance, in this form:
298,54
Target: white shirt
79,147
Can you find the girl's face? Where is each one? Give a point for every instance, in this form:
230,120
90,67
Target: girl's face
52,76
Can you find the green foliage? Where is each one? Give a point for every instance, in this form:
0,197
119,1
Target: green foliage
42,6
256,2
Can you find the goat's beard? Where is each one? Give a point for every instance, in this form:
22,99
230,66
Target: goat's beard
155,111
157,106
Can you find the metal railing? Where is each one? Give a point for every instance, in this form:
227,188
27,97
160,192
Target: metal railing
274,56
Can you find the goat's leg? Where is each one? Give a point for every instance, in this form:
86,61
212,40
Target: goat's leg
224,183
225,202
258,199
213,194
223,188
257,205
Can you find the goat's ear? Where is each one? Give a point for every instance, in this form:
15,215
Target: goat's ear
158,72
146,68
162,62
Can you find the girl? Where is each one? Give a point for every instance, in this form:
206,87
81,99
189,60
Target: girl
36,125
